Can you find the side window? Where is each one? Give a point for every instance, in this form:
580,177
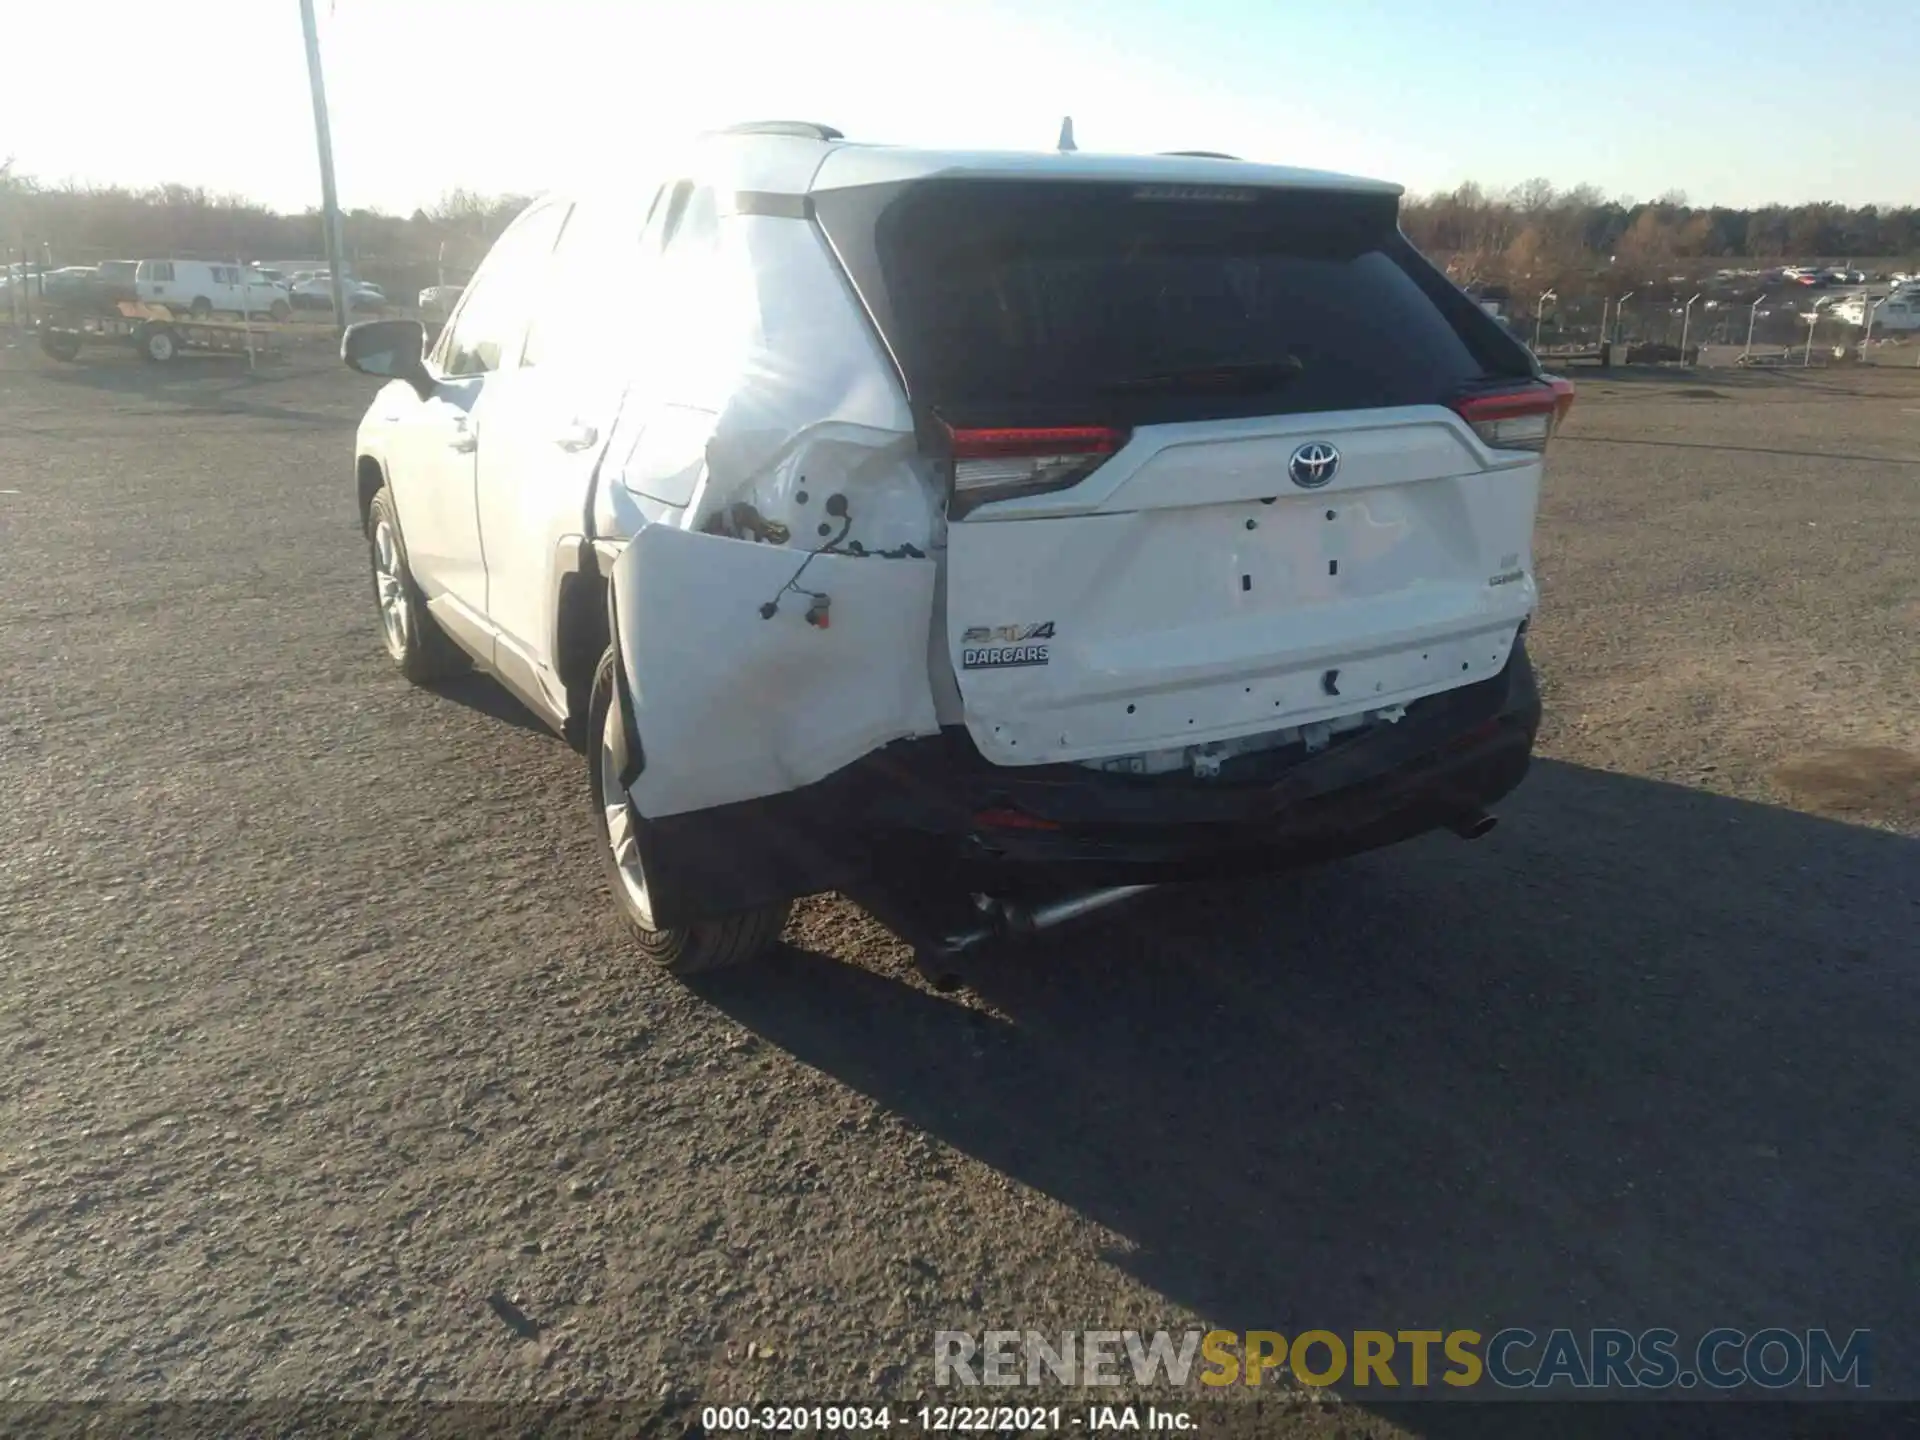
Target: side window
163,270
487,330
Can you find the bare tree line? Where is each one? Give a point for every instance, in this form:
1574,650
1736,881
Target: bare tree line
1533,234
1570,239
76,224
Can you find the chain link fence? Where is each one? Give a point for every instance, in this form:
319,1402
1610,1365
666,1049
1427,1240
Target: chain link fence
1794,325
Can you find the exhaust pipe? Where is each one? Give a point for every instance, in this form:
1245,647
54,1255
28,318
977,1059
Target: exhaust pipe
1473,824
1059,912
1005,917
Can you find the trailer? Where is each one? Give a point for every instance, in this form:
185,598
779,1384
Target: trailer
157,334
1562,356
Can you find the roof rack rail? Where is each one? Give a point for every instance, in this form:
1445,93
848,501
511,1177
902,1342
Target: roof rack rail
1201,154
799,129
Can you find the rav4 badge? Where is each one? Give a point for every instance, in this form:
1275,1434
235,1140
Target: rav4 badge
1002,647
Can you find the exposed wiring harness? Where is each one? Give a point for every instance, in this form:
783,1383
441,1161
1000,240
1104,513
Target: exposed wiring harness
818,602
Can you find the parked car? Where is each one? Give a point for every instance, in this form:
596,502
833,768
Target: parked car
87,289
1214,497
202,287
315,292
71,285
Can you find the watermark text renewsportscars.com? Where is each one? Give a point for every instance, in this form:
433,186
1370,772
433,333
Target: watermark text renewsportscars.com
1437,1361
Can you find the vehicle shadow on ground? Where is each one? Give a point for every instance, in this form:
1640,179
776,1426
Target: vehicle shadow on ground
1642,1058
481,694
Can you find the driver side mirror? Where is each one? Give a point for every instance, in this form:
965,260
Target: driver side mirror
391,350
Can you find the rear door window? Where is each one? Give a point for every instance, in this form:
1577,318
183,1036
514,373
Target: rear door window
487,330
586,308
1060,302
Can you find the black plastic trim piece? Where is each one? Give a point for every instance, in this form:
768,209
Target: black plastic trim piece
634,758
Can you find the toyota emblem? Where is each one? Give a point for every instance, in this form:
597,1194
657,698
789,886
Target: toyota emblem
1313,465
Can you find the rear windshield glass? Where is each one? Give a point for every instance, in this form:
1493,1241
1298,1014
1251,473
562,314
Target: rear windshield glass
1022,300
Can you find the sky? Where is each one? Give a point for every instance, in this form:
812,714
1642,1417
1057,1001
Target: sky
1734,102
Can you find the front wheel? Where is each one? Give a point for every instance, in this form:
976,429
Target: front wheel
280,311
60,344
415,641
695,949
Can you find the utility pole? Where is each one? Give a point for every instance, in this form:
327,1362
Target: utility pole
329,196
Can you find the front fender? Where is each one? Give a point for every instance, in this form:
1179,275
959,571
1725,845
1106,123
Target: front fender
731,705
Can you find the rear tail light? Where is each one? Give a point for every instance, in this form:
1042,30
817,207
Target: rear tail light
1562,398
1001,464
1523,419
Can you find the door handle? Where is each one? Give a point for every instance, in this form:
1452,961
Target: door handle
577,436
462,441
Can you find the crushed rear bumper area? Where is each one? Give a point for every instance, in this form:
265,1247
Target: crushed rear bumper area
933,813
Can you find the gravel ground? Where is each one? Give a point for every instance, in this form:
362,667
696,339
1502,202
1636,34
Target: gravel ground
326,1071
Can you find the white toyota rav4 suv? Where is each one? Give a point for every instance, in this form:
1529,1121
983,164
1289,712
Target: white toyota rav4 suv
986,536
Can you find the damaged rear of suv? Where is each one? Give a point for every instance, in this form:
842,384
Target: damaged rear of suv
991,537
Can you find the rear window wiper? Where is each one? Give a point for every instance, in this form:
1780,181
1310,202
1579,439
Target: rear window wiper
1245,375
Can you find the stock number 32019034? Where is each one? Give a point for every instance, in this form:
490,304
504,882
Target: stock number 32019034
854,1419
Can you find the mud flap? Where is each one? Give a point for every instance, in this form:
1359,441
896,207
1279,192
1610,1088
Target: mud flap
730,705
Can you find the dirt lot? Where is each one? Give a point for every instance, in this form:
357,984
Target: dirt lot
326,1070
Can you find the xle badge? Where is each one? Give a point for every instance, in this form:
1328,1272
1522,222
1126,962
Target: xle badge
1005,647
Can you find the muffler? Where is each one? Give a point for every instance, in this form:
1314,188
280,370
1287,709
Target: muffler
1473,824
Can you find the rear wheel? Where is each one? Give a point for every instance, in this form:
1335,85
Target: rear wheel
201,307
414,641
695,949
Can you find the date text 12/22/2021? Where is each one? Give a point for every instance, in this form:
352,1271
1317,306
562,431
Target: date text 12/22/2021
939,1419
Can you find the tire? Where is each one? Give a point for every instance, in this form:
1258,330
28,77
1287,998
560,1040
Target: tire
414,641
60,344
201,307
281,311
159,344
696,949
